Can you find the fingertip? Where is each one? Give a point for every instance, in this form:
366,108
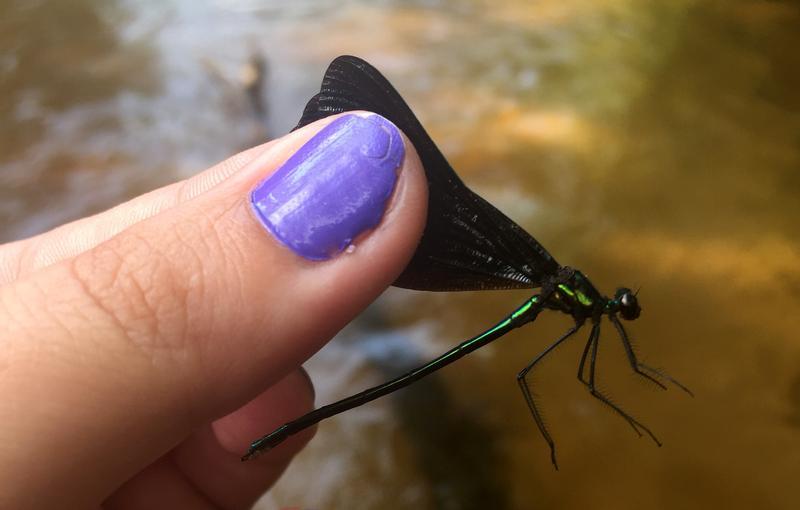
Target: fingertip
209,459
289,398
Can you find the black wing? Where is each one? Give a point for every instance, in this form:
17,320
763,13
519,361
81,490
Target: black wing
467,244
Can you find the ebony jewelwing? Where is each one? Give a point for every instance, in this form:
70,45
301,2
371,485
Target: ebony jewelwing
470,245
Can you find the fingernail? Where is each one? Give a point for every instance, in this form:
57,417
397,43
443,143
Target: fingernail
334,188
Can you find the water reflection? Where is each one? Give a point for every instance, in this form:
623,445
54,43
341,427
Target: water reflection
651,144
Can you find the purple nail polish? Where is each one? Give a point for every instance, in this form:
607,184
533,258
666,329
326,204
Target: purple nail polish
332,189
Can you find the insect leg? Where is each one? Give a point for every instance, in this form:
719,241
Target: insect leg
641,369
585,354
591,344
594,342
526,391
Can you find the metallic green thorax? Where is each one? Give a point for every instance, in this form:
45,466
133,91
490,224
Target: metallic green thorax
577,294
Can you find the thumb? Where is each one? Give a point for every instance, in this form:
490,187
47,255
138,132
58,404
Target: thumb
110,358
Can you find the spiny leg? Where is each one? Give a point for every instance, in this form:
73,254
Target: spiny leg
640,368
591,343
664,375
585,354
632,360
594,338
526,391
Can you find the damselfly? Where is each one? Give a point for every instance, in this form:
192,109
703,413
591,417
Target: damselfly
469,245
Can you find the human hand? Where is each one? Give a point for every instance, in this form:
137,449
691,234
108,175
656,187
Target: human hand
132,341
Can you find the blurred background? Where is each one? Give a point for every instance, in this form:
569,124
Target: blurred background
653,144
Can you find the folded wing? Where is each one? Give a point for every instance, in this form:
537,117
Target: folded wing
468,244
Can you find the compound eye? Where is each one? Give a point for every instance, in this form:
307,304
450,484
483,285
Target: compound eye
628,300
628,304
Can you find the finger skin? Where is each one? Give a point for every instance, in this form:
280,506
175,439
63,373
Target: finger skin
205,470
111,358
25,256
